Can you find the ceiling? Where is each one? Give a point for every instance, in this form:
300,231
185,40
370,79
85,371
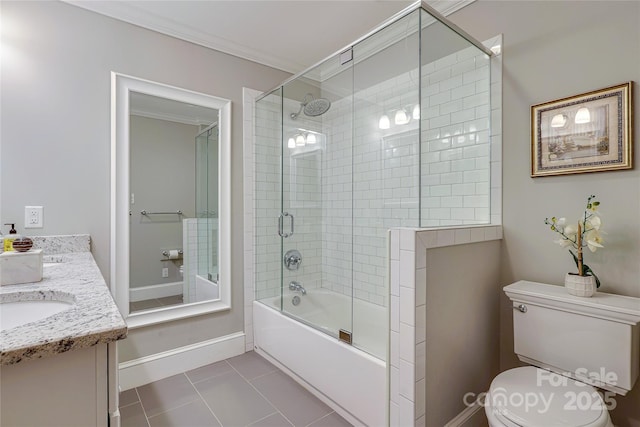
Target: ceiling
288,35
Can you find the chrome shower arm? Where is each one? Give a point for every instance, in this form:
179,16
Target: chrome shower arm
295,115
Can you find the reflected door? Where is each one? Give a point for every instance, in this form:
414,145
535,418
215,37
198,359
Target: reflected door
207,203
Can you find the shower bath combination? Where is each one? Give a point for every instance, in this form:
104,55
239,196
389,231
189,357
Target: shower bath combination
312,107
348,191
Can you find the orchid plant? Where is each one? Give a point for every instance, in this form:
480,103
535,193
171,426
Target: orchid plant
585,234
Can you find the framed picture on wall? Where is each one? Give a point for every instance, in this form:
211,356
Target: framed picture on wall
591,132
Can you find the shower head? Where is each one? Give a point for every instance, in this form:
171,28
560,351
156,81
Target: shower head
312,107
317,107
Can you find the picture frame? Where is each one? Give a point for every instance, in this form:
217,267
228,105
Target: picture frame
590,132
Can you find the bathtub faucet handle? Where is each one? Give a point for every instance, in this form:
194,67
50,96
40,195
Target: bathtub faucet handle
292,259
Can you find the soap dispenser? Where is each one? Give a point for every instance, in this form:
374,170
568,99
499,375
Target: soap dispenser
8,240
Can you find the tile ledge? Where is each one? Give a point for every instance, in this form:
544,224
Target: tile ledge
437,237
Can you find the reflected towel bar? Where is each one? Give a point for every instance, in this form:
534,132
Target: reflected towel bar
143,212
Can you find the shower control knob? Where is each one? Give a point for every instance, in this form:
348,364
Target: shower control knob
292,259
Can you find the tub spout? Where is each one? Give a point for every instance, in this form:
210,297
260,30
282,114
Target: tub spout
297,287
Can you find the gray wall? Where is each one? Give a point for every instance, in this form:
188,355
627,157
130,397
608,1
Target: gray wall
462,319
55,114
552,50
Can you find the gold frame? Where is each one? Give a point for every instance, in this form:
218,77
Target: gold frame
566,140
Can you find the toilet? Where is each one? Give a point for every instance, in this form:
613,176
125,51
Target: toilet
582,353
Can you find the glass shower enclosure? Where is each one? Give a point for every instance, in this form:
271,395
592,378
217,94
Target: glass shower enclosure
201,232
392,131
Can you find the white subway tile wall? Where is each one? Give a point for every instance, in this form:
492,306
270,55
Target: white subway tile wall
456,144
302,174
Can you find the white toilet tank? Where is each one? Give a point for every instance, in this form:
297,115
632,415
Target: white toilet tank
594,340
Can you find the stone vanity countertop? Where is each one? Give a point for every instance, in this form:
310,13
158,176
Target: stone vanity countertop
92,319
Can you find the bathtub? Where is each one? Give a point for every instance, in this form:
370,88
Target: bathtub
205,289
352,381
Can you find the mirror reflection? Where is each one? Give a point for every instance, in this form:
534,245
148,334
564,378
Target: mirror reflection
173,203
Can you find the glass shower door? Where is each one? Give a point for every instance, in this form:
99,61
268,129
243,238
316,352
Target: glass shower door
207,203
316,216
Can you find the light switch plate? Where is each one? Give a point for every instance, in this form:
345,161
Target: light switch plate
33,217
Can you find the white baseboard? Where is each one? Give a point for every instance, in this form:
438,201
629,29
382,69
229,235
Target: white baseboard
114,418
464,416
152,368
143,293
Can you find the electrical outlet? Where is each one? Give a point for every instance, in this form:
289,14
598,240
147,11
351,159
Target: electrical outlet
165,272
33,217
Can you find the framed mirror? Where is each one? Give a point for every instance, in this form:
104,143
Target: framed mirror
170,201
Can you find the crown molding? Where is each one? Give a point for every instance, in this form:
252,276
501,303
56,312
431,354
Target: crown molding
447,7
128,11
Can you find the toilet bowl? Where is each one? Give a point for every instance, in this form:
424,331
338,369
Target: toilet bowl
534,397
571,344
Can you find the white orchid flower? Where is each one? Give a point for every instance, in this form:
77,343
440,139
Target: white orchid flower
594,240
571,230
589,225
593,245
563,242
594,222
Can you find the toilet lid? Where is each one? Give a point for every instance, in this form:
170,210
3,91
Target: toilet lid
532,397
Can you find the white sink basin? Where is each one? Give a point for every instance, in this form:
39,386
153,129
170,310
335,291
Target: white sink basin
16,313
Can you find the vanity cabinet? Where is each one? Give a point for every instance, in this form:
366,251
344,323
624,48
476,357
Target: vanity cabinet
62,370
67,390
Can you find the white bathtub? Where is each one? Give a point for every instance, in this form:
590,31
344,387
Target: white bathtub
352,381
205,289
331,311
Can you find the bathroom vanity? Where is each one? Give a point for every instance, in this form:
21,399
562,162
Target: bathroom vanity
60,369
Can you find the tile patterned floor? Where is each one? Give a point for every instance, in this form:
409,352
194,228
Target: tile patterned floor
242,391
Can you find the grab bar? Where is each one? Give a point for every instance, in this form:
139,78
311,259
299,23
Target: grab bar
145,213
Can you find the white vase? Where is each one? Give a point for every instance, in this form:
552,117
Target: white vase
581,286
